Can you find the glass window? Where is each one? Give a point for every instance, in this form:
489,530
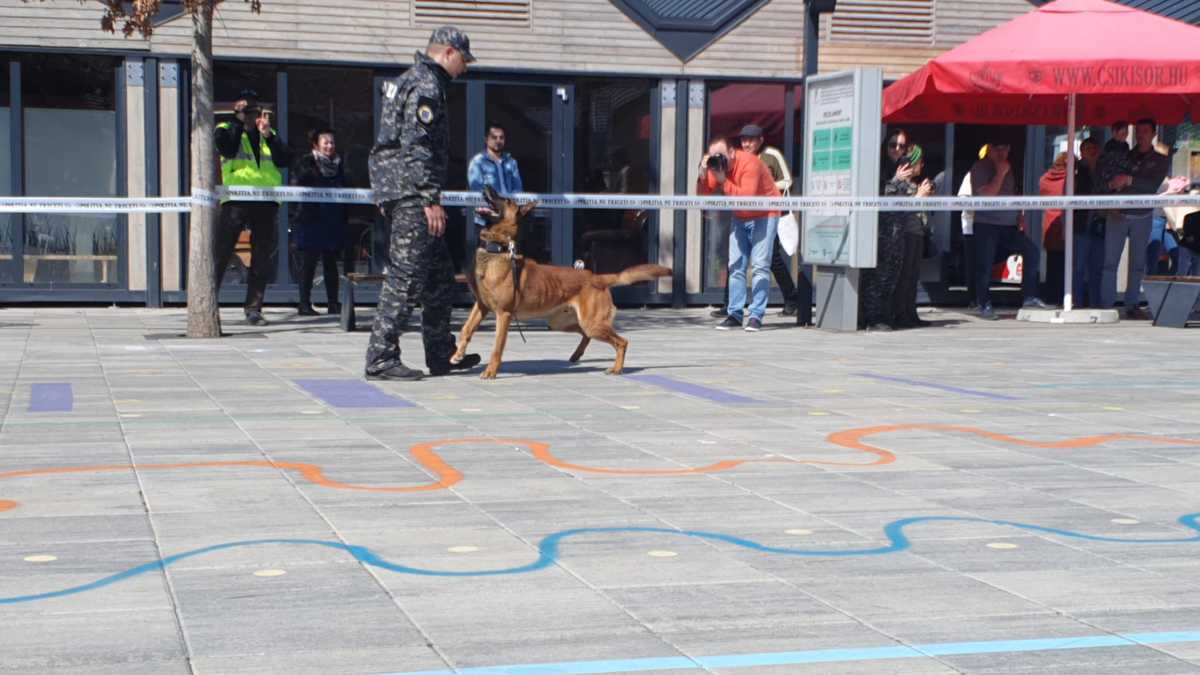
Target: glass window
70,138
798,141
339,99
732,106
526,113
456,176
612,155
7,235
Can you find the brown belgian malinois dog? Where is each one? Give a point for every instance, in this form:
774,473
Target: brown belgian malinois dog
573,301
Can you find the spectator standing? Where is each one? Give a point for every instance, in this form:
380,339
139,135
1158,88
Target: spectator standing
1053,183
992,177
737,173
912,227
878,284
1142,174
320,226
494,167
752,142
251,154
1187,261
1088,263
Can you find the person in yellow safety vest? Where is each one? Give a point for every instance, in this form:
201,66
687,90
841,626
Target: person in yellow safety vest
251,154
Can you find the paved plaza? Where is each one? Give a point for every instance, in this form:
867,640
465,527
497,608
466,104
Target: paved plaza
973,497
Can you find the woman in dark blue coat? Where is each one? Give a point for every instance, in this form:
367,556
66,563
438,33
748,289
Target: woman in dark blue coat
321,227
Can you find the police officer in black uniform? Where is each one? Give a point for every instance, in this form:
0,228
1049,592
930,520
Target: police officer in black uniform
408,170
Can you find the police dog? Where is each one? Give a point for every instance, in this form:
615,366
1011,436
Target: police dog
573,301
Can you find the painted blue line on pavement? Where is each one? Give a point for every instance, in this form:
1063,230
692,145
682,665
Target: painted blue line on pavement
944,387
715,395
548,549
51,397
917,651
1122,384
352,394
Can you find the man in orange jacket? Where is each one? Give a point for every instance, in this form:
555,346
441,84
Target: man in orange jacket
731,171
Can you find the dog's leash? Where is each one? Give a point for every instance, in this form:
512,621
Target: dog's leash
516,277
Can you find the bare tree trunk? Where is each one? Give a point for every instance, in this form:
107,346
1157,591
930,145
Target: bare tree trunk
204,318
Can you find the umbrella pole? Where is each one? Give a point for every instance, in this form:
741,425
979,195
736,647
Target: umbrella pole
1069,213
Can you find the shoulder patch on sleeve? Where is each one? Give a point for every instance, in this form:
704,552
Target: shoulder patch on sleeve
425,107
390,89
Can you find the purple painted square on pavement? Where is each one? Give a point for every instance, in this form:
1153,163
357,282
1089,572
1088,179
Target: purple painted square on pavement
51,397
352,394
714,395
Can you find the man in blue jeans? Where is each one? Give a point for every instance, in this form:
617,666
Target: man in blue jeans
729,170
992,177
1144,173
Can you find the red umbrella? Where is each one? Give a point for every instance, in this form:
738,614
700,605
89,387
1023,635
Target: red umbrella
1070,60
1123,63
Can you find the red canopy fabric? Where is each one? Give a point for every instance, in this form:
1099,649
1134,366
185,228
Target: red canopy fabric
1122,62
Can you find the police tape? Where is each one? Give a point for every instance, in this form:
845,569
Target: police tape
725,203
816,205
95,205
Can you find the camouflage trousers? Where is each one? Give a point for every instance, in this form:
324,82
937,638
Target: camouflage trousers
419,270
878,287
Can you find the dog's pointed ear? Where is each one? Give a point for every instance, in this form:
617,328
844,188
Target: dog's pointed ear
491,196
526,208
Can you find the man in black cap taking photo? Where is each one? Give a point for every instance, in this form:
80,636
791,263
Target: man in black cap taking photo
408,171
751,140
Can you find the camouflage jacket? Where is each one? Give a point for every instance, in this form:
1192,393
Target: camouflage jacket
408,162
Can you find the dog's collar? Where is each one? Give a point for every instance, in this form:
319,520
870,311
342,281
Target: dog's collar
493,247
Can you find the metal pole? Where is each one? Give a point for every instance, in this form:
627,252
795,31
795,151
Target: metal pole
1069,214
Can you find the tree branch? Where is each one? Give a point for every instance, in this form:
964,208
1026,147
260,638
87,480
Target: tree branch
137,16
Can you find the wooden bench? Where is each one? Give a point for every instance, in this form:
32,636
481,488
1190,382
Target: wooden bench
350,281
1172,299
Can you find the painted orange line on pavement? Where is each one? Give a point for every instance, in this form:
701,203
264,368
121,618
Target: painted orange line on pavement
846,439
423,452
850,438
447,476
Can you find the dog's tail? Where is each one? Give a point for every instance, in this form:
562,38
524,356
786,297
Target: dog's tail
633,275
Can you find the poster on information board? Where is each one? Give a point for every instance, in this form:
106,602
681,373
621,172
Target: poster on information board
841,159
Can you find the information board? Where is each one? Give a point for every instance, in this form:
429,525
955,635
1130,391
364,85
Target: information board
841,159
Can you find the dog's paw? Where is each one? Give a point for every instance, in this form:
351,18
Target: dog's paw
488,374
613,371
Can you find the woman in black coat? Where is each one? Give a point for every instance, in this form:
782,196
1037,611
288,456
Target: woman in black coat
321,227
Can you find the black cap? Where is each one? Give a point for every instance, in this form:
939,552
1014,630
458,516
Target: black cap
453,37
248,93
751,131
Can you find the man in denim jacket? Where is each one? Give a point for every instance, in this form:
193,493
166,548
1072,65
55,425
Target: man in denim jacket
494,167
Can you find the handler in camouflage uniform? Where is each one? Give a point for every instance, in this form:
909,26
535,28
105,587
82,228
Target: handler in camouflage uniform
408,169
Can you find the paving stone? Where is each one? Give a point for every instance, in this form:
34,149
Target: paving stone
302,537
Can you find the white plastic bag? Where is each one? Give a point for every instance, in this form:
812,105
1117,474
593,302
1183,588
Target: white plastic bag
788,231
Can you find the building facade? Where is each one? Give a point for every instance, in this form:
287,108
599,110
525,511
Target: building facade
596,96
